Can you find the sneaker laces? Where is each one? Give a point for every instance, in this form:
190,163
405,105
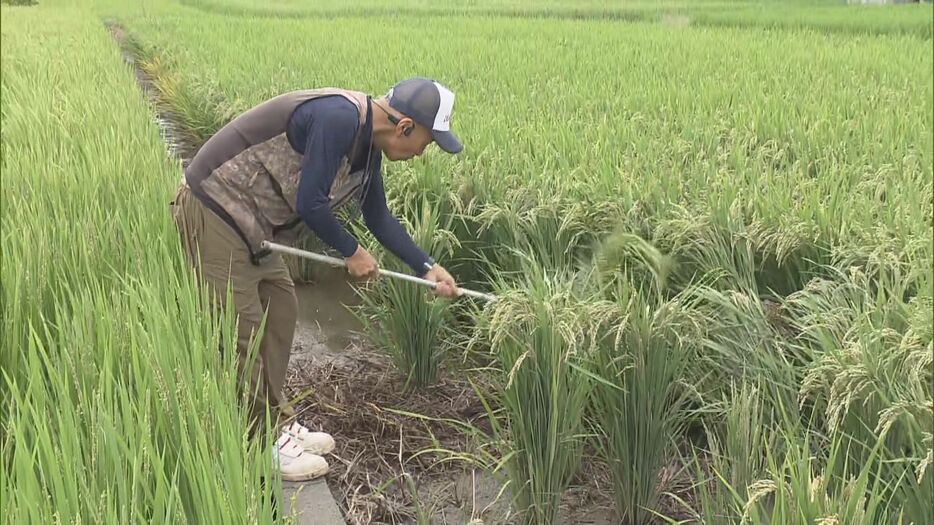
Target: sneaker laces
297,429
287,446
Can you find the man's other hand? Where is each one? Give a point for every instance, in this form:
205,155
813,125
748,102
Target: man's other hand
446,286
362,265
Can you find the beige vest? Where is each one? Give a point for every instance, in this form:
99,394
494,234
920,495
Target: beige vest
248,172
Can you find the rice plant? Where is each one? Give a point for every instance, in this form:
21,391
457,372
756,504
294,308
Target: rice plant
825,16
402,319
196,106
637,406
737,444
795,225
804,478
542,338
729,155
872,375
864,401
116,405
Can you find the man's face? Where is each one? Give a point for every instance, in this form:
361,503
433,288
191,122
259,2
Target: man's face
402,147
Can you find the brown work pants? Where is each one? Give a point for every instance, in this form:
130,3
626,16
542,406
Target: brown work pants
221,259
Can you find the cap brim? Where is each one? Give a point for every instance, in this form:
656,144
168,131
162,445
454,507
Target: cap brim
447,141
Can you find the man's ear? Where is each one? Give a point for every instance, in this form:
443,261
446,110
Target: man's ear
406,126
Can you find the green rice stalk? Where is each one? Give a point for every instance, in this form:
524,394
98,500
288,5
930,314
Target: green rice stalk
405,320
116,405
542,336
637,408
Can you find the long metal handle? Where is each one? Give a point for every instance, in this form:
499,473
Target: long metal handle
389,273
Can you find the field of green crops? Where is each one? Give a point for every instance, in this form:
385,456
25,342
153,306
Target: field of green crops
114,408
710,225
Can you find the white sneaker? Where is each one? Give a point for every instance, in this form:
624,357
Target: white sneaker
294,463
313,442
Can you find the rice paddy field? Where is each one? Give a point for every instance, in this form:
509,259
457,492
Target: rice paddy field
709,226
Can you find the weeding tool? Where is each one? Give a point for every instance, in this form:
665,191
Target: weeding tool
334,261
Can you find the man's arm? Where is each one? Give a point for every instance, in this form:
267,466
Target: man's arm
387,229
329,135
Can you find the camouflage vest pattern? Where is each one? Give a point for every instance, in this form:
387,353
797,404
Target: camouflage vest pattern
249,170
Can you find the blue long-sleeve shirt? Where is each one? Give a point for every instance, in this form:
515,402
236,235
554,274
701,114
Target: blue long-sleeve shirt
323,130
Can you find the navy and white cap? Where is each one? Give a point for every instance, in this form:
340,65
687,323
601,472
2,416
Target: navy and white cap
430,104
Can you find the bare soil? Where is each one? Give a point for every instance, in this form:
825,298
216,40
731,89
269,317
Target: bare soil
392,462
389,463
